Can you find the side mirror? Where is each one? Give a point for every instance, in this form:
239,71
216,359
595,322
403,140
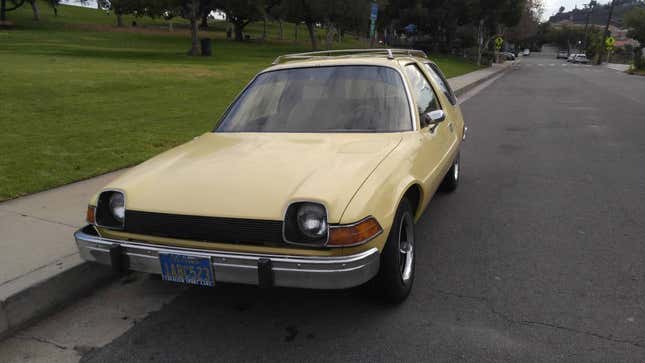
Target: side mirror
434,118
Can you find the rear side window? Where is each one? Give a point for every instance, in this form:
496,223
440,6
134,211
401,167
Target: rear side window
438,77
422,90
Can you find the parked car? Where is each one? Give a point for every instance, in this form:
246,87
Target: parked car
563,54
526,52
580,58
508,56
313,178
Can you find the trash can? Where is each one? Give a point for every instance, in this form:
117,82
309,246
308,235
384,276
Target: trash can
207,47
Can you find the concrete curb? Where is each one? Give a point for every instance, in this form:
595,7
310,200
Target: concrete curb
32,296
500,68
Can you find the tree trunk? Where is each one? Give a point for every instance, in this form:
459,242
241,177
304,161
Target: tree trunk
330,35
170,28
34,8
264,28
312,34
119,20
239,35
204,24
194,48
281,29
295,34
480,41
3,12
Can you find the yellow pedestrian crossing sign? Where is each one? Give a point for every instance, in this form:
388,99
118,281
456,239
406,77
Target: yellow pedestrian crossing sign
498,42
610,41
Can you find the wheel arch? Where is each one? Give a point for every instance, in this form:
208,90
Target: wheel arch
414,194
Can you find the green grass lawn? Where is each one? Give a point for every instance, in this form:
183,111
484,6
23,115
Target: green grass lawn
80,98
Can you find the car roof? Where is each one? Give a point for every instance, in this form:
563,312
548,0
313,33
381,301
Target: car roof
374,57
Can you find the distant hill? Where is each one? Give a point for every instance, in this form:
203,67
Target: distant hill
600,13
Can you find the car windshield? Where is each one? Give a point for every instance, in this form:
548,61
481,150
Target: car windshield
322,99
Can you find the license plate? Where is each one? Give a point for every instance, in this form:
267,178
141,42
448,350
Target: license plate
187,269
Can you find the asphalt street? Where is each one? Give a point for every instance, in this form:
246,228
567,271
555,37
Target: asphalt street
538,256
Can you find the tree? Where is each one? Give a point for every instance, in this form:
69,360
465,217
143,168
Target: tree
15,4
35,9
635,22
242,12
191,10
566,37
124,7
310,12
492,18
525,32
273,9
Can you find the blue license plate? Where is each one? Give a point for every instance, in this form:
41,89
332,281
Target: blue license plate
187,269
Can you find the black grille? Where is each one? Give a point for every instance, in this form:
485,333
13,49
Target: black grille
200,228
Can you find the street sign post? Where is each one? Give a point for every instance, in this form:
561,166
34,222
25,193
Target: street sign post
499,41
609,46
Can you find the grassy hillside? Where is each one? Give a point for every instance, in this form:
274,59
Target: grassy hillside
80,97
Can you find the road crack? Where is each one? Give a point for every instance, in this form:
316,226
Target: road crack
508,319
42,340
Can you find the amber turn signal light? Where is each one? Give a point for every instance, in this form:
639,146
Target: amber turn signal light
354,234
90,216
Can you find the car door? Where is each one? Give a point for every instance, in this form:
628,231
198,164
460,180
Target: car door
431,162
454,118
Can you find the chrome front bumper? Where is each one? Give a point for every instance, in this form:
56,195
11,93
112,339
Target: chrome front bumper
246,268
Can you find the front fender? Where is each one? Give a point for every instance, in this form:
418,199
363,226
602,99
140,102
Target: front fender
381,193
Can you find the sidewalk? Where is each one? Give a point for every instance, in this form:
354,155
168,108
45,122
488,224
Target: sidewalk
468,81
40,267
617,66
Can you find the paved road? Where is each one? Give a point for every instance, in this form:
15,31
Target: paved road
539,255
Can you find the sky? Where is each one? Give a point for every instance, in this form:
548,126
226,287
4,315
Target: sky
552,6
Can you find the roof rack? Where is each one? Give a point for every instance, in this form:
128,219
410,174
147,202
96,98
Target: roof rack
390,53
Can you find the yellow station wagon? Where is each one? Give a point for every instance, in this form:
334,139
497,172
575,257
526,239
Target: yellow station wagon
313,178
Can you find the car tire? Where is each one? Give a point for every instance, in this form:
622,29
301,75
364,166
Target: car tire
396,273
451,180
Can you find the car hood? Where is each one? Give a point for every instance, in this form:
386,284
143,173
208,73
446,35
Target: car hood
255,175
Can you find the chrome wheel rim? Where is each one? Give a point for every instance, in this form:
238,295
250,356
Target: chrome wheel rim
456,171
406,247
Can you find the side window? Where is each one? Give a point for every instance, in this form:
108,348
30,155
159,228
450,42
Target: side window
421,90
438,77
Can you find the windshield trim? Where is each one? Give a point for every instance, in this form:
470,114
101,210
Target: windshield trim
408,96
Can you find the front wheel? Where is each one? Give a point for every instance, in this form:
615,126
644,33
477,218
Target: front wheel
396,274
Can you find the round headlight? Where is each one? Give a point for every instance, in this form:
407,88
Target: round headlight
117,206
312,220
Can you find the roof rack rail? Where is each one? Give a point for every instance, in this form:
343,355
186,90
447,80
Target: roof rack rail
390,53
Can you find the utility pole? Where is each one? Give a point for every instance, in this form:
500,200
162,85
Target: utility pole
591,7
606,34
